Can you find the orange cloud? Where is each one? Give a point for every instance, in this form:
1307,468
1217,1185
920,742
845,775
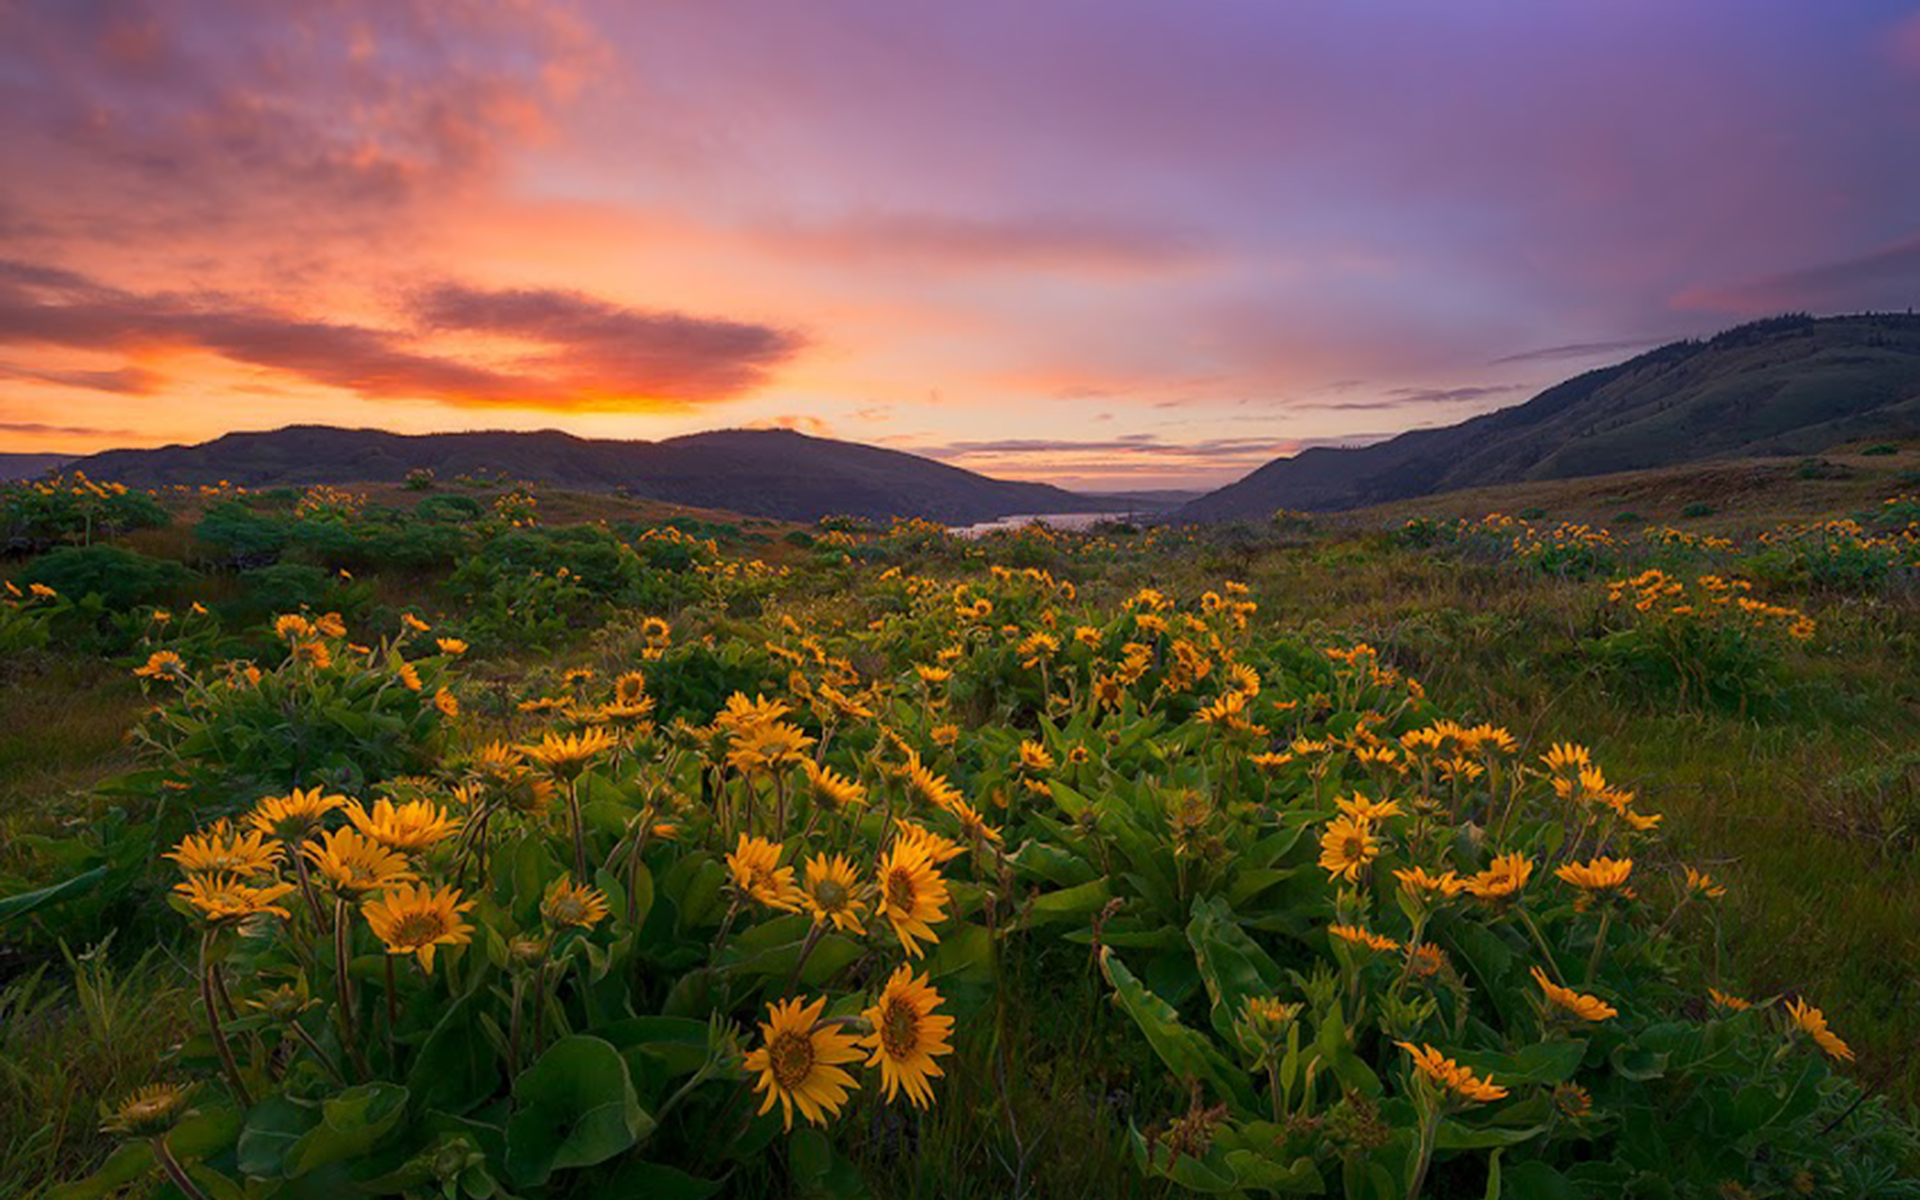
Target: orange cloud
585,354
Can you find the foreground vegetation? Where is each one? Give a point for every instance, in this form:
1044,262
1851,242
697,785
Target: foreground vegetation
468,853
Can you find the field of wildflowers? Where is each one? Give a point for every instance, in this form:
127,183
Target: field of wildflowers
763,883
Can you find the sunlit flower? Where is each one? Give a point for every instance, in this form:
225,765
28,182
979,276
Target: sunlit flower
292,817
1600,875
830,790
353,863
1813,1023
575,904
1416,881
1366,939
1587,1008
833,891
444,701
417,920
1034,757
1450,1076
409,676
1728,1001
410,828
1361,808
223,850
755,865
799,1062
1347,847
1701,882
568,755
314,654
162,664
912,894
907,1036
1503,878
767,747
452,646
223,899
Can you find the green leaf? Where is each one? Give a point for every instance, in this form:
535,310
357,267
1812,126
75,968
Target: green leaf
1454,1136
1070,904
573,1108
455,1070
351,1124
1184,1051
131,1161
656,1181
25,902
273,1127
1637,1064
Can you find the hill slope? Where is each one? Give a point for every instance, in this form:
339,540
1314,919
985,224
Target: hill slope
769,473
30,466
1788,385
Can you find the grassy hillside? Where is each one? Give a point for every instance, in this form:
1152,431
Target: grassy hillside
1776,387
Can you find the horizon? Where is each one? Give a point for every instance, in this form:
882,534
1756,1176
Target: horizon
1120,246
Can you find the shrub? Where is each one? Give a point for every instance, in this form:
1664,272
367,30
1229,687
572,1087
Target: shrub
1880,449
420,479
37,514
1708,642
1697,509
119,578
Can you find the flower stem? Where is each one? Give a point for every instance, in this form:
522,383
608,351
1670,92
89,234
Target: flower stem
219,1035
176,1172
343,986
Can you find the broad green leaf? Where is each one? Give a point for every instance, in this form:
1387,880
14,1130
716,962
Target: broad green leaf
1185,1052
351,1124
573,1108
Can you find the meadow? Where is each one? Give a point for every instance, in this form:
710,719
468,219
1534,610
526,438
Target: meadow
462,838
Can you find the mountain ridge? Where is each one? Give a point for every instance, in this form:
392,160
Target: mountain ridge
769,473
1793,384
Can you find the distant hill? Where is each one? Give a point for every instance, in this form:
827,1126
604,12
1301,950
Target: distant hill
1785,385
767,473
30,466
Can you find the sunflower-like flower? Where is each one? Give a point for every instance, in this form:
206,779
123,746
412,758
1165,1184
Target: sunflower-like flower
575,904
907,1035
742,714
352,863
1587,1008
162,664
291,626
149,1112
1502,879
228,899
1363,808
1728,1001
1347,847
1703,884
1450,1076
451,646
769,747
417,920
1813,1023
833,892
1354,935
913,894
314,654
757,873
1417,882
630,687
928,786
567,756
1599,875
831,791
939,849
409,828
445,702
295,816
223,850
1034,757
799,1062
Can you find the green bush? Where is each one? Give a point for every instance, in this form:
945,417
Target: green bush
121,579
1698,508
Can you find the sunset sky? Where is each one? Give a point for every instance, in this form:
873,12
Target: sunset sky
1102,242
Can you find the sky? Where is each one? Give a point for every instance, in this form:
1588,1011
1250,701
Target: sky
1105,243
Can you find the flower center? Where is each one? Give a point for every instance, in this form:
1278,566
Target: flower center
1355,847
901,892
899,1029
830,895
790,1055
417,929
569,910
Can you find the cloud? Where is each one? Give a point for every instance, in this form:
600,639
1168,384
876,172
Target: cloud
1888,277
585,354
1579,350
35,427
662,354
124,381
797,422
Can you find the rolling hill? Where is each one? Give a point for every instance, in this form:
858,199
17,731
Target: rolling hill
30,466
768,473
1786,385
